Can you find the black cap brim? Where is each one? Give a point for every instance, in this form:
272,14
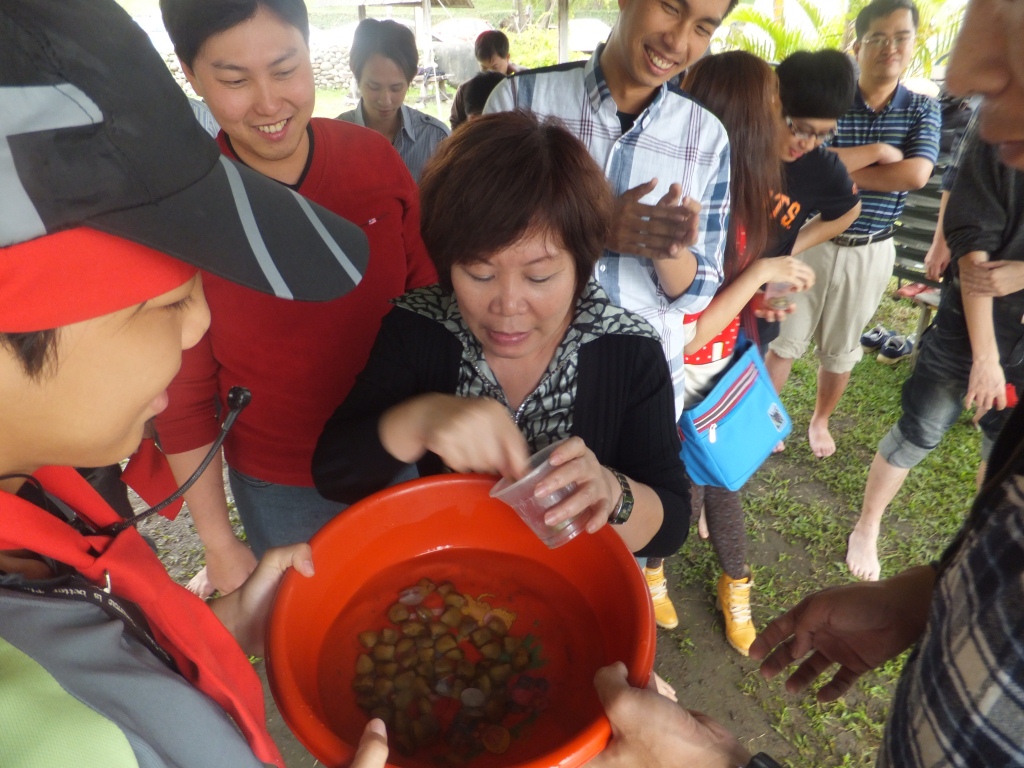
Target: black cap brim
247,228
98,134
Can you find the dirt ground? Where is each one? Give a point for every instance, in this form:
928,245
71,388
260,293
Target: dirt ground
707,674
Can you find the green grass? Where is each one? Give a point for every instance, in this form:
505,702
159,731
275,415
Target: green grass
800,510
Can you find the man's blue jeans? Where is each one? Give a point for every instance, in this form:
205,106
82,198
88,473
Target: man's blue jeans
274,515
933,396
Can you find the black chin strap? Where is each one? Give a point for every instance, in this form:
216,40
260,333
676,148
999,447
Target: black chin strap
238,399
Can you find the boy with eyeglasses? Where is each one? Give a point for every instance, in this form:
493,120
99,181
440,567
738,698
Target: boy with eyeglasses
815,90
889,141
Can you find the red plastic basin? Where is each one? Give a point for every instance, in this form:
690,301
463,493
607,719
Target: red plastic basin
586,603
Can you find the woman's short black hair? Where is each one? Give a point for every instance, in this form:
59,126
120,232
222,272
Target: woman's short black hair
190,23
386,38
817,86
505,176
478,90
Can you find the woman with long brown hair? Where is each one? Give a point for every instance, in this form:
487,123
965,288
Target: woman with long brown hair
742,91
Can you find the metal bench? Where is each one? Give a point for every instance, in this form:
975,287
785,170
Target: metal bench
914,230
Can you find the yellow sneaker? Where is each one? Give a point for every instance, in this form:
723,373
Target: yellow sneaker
664,612
734,602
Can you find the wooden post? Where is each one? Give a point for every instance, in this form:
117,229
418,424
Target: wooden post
563,31
430,67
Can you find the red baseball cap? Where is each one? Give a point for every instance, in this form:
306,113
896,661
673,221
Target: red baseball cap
105,175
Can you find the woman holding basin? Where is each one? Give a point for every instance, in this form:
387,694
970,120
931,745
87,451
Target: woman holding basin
517,348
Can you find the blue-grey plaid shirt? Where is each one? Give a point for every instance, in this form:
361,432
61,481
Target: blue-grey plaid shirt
674,140
960,701
415,141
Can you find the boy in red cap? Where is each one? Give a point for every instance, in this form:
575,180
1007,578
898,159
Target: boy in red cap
112,200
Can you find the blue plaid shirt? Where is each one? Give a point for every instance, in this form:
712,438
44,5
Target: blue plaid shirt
960,701
674,140
910,122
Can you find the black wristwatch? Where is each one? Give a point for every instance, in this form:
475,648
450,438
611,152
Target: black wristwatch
624,508
761,760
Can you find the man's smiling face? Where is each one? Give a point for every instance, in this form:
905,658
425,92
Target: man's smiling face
658,39
257,80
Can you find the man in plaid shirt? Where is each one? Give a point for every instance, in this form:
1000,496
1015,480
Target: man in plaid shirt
667,159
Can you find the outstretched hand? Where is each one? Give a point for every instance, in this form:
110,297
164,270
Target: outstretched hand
857,626
652,731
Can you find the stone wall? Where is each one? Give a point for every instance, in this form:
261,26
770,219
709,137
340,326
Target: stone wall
330,67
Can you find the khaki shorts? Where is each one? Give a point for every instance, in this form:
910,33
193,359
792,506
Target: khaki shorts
849,282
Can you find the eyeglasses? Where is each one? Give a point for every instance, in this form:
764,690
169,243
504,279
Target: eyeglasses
807,135
881,42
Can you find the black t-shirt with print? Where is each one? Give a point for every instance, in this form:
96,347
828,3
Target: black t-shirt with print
816,182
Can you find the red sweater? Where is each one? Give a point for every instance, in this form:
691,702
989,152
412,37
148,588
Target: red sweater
300,359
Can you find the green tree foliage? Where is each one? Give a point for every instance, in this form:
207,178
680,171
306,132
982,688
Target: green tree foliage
815,27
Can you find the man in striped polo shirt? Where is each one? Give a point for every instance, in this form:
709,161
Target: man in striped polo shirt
889,141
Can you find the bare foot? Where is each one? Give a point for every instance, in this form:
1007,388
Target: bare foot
862,553
702,525
200,584
821,439
779,447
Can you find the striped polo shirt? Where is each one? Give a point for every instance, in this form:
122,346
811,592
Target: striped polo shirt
910,122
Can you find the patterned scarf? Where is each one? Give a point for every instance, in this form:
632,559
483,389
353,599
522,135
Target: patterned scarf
546,415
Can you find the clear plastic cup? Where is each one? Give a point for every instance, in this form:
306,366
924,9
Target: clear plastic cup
778,295
519,496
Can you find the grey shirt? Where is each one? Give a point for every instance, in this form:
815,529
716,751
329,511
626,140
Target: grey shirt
88,694
415,141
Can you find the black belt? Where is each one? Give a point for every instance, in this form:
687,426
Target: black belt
875,237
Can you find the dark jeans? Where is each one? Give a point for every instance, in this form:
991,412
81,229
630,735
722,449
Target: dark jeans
933,395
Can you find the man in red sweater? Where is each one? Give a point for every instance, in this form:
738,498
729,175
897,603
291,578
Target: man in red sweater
250,62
